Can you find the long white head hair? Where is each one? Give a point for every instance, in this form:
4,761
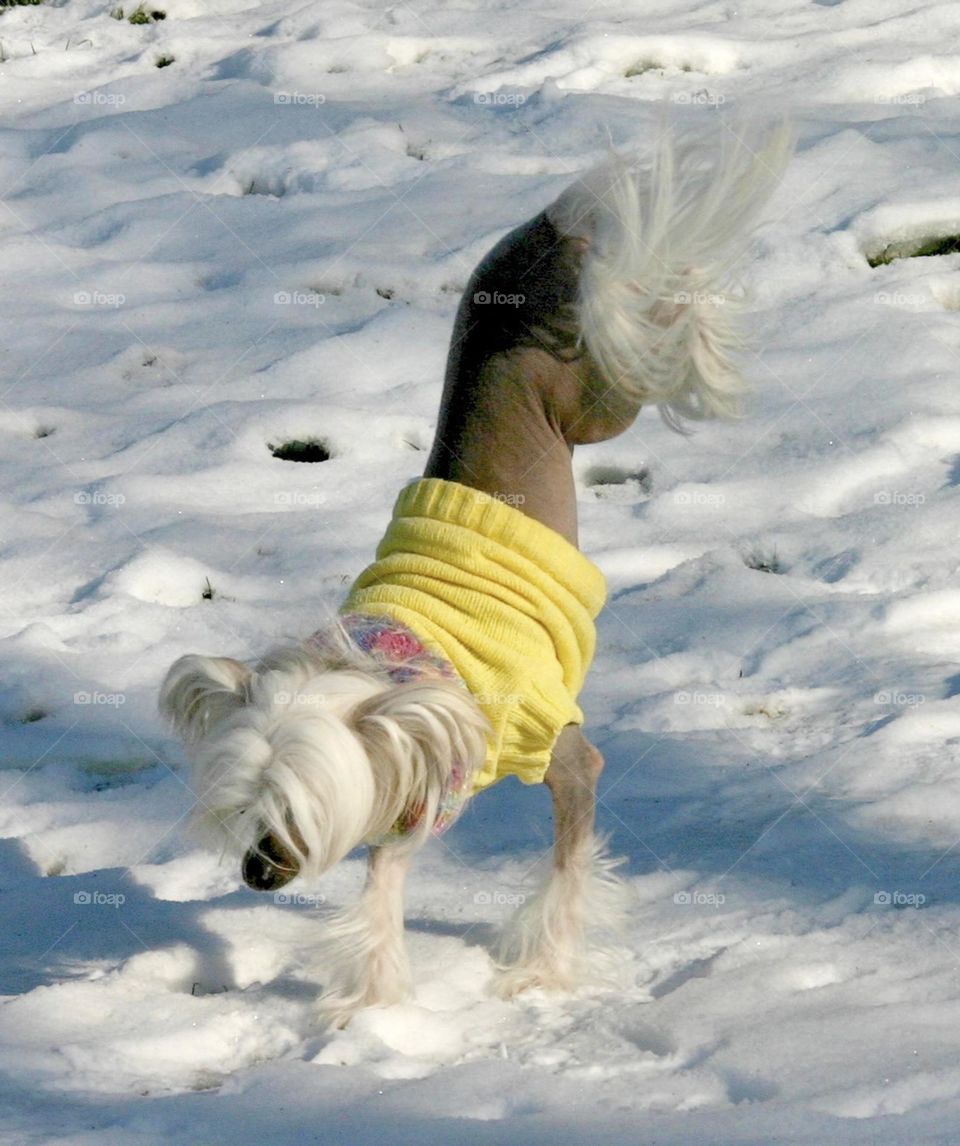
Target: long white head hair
319,750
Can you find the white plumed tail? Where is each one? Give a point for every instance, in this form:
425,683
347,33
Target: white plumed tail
657,305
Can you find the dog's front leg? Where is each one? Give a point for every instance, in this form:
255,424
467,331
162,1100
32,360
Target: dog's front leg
545,944
365,958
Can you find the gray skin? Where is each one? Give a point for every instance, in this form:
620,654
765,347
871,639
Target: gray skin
518,396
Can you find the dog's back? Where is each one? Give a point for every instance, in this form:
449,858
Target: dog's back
616,296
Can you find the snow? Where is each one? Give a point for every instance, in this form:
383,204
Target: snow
265,241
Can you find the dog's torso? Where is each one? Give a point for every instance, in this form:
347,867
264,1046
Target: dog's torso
507,601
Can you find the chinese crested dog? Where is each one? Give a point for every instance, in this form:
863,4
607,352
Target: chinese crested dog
460,651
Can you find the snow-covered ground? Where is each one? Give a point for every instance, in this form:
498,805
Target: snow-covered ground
264,241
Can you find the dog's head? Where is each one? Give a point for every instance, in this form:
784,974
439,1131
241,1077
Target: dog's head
303,756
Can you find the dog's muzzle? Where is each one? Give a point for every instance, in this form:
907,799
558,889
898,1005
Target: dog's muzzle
268,866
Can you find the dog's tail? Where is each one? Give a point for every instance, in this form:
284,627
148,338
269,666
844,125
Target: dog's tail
656,301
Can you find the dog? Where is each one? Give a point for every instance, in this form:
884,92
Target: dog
460,651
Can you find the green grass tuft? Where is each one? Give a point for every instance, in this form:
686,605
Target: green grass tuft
763,560
916,249
310,450
139,15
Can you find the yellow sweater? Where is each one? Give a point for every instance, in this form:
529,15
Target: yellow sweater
507,600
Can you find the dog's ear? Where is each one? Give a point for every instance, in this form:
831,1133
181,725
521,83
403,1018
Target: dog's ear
417,732
198,692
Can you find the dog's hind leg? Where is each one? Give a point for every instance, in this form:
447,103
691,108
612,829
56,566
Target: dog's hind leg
364,954
545,945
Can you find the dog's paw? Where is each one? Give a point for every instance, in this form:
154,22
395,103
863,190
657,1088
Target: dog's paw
510,981
337,1008
563,970
335,1013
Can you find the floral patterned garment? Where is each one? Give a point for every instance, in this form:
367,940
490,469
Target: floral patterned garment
406,659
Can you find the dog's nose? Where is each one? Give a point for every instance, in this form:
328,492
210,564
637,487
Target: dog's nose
268,866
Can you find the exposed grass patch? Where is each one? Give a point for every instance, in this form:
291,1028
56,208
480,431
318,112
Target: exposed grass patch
309,450
763,560
264,187
641,67
165,61
771,709
601,477
916,249
140,15
210,592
